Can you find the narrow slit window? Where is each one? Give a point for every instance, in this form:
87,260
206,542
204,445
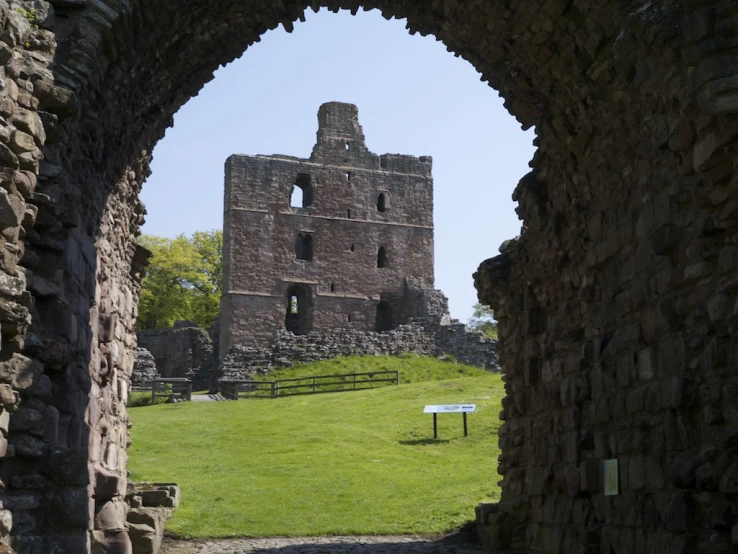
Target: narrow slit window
352,248
348,213
349,318
348,176
382,257
348,146
333,287
381,203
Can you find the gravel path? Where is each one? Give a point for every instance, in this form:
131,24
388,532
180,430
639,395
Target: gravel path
207,398
324,545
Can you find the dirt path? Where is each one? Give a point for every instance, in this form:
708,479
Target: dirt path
326,545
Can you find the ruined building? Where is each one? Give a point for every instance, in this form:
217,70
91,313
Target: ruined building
343,257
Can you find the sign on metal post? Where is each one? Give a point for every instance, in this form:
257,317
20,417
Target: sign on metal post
436,409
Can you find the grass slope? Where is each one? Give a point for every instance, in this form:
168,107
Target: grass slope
412,368
357,462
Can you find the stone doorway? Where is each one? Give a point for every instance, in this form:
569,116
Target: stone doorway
298,317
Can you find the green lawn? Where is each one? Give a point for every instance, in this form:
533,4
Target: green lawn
356,462
412,368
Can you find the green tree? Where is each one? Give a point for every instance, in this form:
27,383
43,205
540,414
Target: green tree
483,319
183,280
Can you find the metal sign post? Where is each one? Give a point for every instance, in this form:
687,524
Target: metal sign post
436,409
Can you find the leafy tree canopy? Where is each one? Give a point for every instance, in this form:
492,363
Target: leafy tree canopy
483,319
183,280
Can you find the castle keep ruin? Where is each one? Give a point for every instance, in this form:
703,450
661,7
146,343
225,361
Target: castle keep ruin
343,257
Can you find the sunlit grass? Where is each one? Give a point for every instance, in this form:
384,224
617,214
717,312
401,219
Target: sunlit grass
359,462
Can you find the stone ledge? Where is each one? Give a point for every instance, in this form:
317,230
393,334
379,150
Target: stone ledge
151,506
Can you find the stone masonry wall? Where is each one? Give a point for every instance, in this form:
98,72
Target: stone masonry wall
286,349
144,369
179,351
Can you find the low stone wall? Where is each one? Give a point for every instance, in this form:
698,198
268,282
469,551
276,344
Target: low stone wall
150,507
178,351
185,350
454,341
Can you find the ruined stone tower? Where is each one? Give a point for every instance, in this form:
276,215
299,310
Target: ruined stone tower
344,256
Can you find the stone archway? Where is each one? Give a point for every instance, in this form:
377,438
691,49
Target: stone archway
615,304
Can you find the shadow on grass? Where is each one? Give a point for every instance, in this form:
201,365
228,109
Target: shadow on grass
423,442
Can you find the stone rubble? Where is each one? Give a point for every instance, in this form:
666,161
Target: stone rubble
453,342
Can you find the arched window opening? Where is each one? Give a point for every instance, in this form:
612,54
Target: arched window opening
299,313
352,247
348,146
304,246
382,257
302,192
381,202
384,320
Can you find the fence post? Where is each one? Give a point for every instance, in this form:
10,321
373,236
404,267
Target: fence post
189,391
313,384
276,389
354,381
397,377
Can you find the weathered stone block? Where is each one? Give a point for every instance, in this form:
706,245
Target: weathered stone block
683,470
111,516
108,484
729,480
67,466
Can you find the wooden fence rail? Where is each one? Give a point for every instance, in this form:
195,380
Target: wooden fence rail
315,384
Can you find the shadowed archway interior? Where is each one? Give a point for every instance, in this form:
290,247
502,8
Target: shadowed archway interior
614,305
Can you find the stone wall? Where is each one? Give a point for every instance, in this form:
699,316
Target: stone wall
180,351
449,341
144,369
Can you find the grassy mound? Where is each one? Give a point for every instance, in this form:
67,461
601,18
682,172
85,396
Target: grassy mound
358,462
412,368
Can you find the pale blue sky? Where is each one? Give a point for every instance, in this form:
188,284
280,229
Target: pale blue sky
413,97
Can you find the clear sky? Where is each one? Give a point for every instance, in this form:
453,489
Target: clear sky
414,97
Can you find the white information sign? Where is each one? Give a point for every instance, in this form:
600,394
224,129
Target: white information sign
449,408
612,485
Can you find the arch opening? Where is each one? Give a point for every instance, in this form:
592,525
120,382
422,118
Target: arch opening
302,192
384,319
298,317
382,257
298,314
381,203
